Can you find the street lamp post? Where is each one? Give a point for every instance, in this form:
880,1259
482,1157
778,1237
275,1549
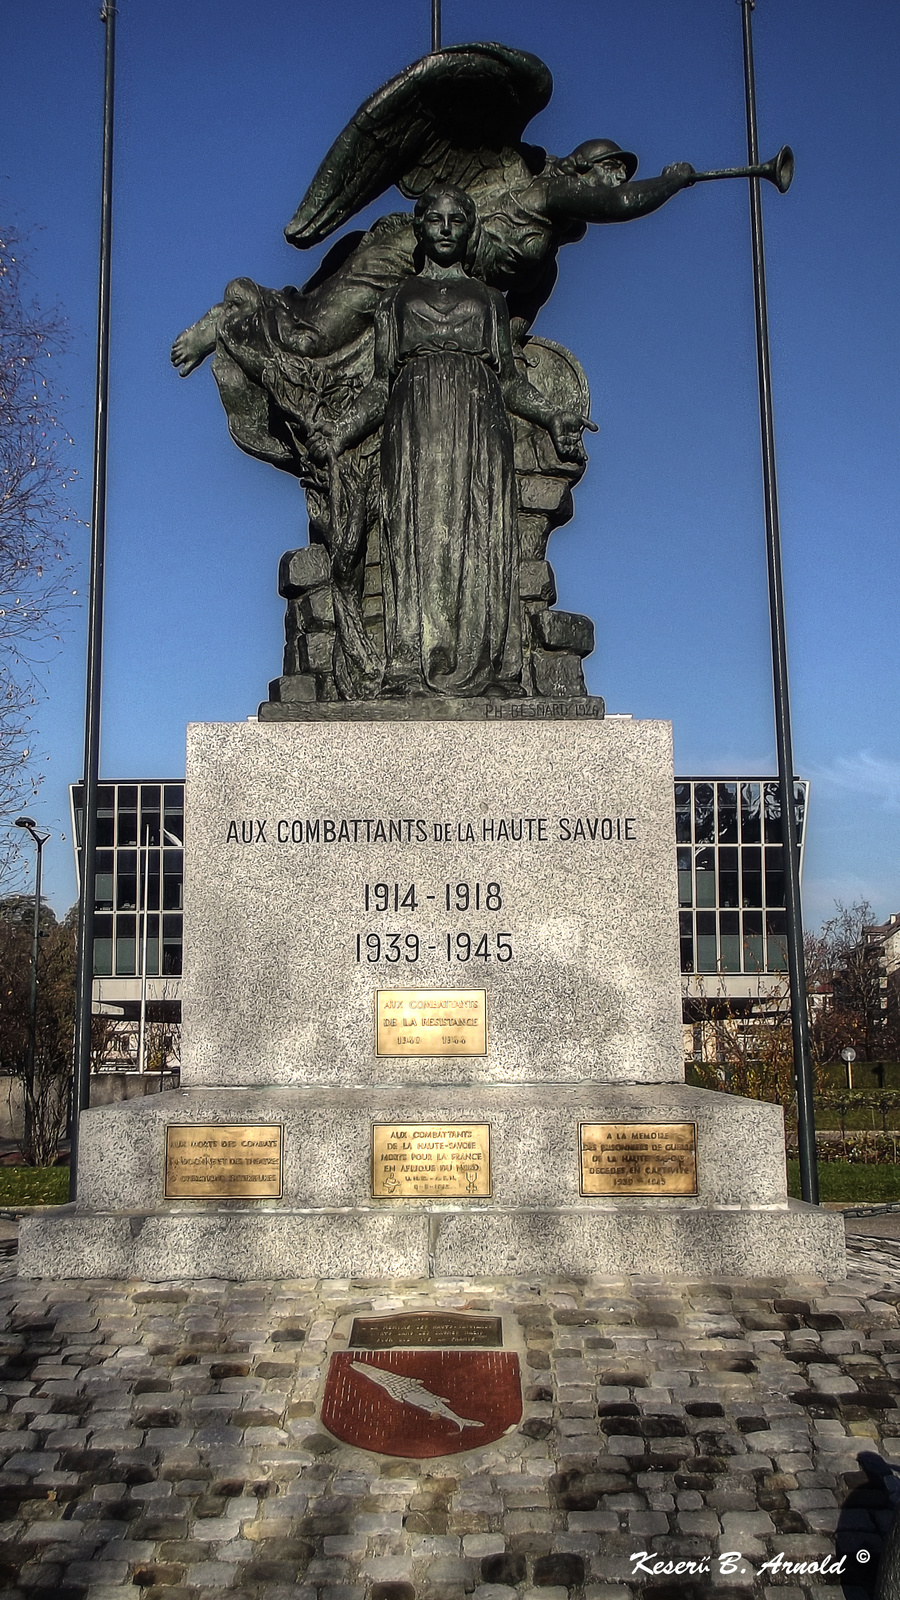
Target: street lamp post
40,840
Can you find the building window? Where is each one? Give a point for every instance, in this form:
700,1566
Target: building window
776,941
172,946
151,953
707,953
730,862
103,947
683,807
753,942
140,864
728,819
685,879
751,876
729,941
706,877
126,947
686,931
704,814
728,878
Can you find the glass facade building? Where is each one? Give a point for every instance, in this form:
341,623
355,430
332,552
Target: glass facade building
140,873
730,852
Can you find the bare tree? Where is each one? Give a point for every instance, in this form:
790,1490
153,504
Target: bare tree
46,1092
745,1045
34,518
162,1047
105,1039
855,1012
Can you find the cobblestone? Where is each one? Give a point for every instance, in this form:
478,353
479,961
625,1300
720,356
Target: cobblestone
164,1441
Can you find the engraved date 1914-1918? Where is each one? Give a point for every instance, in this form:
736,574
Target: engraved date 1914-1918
449,897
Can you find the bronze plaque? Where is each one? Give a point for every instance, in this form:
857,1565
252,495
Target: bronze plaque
218,1161
446,1328
431,1161
625,1158
430,1022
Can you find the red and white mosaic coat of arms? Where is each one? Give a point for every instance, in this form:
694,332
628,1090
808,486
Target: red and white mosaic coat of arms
421,1403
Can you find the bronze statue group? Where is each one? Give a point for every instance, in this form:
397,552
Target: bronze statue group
388,383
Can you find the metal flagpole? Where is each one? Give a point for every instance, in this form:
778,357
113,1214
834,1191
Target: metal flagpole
85,978
142,1027
435,25
806,1126
40,839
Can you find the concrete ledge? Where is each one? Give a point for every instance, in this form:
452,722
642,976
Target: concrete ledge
800,1240
224,1244
541,707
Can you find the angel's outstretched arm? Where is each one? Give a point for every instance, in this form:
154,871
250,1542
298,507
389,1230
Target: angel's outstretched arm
579,199
643,195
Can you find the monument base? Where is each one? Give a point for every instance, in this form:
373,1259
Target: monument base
326,1219
439,1044
795,1241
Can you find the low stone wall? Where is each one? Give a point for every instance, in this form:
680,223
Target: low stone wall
107,1089
111,1088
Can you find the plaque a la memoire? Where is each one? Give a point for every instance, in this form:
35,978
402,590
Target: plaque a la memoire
638,1158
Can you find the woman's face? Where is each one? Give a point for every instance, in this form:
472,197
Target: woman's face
444,230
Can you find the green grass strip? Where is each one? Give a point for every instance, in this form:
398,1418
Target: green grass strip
34,1186
846,1180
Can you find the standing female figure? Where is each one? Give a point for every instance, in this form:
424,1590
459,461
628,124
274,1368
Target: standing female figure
443,386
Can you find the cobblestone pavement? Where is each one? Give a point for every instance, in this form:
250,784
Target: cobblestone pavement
164,1440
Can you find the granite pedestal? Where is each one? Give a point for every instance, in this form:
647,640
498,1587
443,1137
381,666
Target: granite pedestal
329,861
290,828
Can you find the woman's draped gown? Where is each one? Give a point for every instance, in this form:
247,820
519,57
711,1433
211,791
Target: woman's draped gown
449,537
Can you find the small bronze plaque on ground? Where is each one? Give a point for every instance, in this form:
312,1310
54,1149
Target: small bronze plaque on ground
218,1161
646,1158
430,1022
446,1328
431,1161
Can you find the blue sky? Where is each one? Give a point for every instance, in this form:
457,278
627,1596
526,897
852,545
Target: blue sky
223,113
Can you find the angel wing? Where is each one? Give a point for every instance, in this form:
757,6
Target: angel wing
457,115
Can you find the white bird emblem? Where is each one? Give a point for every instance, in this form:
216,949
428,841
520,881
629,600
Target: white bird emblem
410,1392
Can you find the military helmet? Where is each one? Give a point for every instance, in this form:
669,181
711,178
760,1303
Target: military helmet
593,150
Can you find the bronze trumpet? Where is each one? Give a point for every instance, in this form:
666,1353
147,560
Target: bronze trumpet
780,171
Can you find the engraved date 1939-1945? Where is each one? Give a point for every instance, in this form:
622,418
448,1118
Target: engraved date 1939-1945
410,947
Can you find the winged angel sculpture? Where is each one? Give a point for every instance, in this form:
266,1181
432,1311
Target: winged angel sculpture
436,438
